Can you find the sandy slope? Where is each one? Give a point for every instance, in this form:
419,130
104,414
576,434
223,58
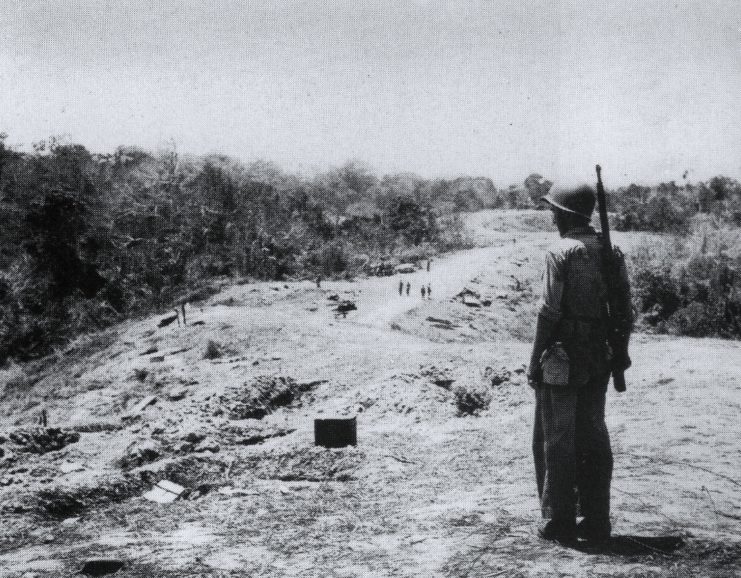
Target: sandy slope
425,493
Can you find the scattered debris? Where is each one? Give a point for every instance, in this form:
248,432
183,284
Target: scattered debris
165,321
442,323
101,566
334,297
437,376
213,350
43,440
140,407
496,376
150,350
405,268
165,492
141,374
230,491
139,454
345,306
177,393
69,467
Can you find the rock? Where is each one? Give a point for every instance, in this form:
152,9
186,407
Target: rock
101,566
143,453
70,521
194,437
345,306
334,297
177,394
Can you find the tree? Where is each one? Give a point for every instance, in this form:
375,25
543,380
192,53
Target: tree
414,221
537,187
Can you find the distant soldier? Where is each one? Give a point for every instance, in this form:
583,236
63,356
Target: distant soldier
423,291
428,264
319,282
401,287
569,369
409,286
429,291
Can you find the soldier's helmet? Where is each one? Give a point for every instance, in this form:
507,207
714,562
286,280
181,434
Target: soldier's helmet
579,200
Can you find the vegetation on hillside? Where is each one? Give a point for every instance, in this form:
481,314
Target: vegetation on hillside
88,239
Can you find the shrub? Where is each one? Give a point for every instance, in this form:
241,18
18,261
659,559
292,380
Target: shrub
471,401
701,299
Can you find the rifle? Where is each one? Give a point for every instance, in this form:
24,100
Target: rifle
617,333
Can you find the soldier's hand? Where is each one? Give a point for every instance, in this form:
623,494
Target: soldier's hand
534,377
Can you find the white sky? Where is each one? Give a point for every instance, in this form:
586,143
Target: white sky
497,88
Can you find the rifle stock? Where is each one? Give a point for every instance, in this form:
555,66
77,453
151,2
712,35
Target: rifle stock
615,339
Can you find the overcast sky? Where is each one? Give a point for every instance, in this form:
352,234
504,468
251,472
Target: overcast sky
497,88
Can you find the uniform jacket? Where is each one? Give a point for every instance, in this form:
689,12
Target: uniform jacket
574,296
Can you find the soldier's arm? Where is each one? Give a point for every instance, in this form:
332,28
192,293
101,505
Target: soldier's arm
549,314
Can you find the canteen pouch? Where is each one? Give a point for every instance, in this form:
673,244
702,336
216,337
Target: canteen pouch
554,364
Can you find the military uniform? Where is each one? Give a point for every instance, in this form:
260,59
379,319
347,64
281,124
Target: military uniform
571,445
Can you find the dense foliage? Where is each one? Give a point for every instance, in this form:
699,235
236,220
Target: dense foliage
670,208
701,298
88,239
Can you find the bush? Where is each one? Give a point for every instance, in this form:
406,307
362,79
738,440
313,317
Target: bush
701,299
471,401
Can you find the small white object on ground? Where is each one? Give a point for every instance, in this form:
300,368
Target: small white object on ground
165,492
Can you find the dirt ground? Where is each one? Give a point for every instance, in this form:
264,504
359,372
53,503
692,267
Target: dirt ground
427,492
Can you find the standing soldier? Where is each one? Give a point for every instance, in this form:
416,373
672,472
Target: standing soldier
423,292
429,291
569,369
401,287
319,282
428,264
409,286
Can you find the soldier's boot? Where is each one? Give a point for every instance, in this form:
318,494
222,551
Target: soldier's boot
559,530
594,530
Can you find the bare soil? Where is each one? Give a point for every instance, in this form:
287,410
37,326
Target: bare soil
427,492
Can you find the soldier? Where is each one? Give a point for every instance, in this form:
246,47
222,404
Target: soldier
429,291
423,292
401,287
569,370
409,286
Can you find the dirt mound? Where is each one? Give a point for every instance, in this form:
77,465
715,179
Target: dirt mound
259,397
42,440
251,434
190,471
311,464
64,501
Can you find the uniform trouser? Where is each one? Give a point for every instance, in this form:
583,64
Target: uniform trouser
572,451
